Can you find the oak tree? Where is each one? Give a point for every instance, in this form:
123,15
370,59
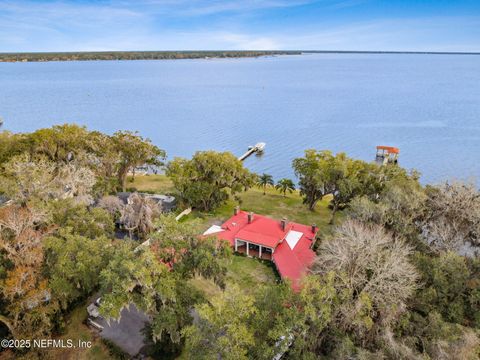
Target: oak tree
207,180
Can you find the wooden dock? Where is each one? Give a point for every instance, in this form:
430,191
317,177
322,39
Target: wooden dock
253,149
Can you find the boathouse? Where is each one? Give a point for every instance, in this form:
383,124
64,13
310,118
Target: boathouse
287,244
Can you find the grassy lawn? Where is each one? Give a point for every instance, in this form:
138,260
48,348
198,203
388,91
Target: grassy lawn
272,204
245,272
151,183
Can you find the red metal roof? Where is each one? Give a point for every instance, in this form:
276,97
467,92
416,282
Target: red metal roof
390,149
291,263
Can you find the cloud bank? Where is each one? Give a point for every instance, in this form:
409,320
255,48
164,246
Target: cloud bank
233,25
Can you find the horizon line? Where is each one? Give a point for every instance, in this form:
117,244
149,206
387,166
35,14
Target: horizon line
252,51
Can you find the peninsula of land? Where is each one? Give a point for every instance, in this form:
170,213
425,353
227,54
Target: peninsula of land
135,55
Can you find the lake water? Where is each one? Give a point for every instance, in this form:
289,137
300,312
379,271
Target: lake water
427,105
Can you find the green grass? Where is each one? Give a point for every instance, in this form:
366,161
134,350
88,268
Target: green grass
151,183
248,273
272,204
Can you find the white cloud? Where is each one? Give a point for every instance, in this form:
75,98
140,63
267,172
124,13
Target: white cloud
417,34
246,42
148,25
197,8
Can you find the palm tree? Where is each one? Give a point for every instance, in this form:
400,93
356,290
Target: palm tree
265,180
285,185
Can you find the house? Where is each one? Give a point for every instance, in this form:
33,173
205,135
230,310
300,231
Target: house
166,202
287,244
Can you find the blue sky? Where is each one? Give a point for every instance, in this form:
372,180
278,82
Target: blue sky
82,25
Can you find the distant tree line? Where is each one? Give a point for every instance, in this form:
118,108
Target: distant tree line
135,55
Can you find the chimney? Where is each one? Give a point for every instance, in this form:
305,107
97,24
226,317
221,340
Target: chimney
314,228
250,217
236,210
283,224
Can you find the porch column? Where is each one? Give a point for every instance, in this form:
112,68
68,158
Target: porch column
260,252
246,244
236,245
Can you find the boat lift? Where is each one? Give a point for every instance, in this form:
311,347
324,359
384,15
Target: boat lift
387,155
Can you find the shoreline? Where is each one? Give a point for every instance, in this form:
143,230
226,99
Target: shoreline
137,55
192,55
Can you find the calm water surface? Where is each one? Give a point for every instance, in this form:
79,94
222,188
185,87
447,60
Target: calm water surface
427,105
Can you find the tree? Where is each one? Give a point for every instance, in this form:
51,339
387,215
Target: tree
284,185
236,325
133,150
11,145
103,158
59,144
28,305
450,287
223,329
25,179
139,278
51,256
207,180
453,216
322,173
265,180
278,321
81,220
188,254
74,263
41,179
76,182
348,179
312,182
134,277
139,214
431,337
399,206
155,278
317,302
373,269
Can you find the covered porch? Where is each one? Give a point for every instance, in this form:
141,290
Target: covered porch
253,250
